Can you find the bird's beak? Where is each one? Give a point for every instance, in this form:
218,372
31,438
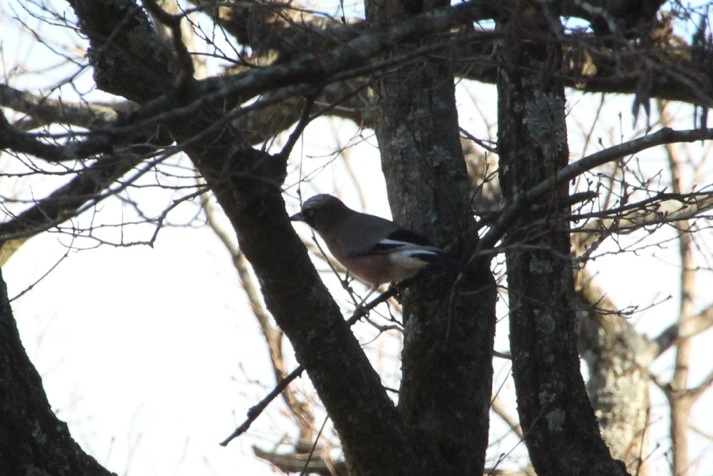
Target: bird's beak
297,217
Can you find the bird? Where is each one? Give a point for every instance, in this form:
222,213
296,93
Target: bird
373,249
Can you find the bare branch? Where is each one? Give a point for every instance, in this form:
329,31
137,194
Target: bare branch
502,410
47,111
696,392
524,199
695,325
256,410
297,463
23,142
66,201
672,70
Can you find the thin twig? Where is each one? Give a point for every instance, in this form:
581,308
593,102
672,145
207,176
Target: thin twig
314,446
255,411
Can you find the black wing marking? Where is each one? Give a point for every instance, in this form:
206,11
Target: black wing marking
381,247
396,239
409,236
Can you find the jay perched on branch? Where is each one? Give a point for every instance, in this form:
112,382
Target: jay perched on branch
371,248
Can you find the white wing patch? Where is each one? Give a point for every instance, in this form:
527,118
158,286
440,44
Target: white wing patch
411,258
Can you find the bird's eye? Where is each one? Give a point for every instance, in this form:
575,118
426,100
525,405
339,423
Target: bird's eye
309,213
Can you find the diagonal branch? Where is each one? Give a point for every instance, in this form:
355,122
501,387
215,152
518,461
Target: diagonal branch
45,111
697,324
669,69
65,202
526,198
311,69
255,411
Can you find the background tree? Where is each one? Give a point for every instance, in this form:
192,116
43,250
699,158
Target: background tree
393,72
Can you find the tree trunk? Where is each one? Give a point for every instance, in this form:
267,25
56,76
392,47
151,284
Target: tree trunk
561,432
447,356
44,446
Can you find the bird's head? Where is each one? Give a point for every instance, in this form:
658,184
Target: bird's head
321,211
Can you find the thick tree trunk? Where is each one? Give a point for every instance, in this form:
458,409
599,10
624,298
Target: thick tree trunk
561,432
447,356
32,439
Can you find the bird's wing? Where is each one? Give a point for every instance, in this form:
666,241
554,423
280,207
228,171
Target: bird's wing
404,246
399,240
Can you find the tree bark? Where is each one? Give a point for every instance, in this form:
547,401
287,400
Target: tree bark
561,433
32,439
447,356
